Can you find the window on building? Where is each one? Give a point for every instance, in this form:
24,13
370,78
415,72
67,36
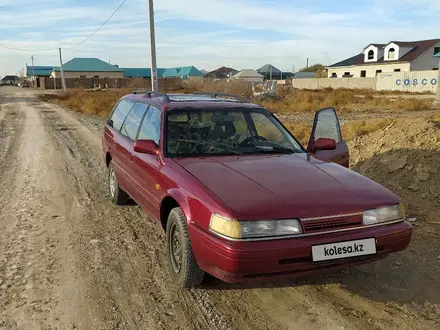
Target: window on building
363,73
334,75
378,71
396,70
435,68
391,53
436,50
97,77
346,73
82,76
371,55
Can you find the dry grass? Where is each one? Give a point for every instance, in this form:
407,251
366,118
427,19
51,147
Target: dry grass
288,100
92,103
343,100
350,130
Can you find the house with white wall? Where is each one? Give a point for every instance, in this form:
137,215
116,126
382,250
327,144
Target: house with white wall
395,56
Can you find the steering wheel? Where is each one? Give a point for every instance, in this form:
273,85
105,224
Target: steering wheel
247,141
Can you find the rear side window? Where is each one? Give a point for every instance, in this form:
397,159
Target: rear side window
121,111
150,129
134,118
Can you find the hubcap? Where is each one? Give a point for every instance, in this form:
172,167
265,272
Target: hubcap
175,244
112,182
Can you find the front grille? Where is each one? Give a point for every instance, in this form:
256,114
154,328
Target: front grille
311,226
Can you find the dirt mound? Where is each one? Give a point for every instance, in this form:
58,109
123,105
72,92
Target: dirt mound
404,157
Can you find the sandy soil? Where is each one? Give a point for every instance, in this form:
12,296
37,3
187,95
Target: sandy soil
69,259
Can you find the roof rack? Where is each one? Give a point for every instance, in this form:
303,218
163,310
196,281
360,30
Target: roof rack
215,95
151,93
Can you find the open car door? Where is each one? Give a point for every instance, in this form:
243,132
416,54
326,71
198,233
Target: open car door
326,139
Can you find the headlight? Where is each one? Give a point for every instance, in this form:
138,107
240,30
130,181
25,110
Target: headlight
384,214
252,229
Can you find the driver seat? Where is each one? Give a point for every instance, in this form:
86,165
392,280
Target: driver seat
224,130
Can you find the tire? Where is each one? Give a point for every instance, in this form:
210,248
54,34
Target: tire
117,195
186,273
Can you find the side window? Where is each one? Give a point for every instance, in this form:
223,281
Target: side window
131,124
121,111
327,125
150,129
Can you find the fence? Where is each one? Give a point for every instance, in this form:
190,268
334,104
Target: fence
412,81
86,83
318,83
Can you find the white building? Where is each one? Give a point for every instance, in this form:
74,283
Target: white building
395,56
249,75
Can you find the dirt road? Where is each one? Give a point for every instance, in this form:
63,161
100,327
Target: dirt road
69,259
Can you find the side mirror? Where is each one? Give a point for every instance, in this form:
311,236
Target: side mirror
324,144
146,147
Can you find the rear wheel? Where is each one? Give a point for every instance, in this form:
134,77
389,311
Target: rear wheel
117,195
182,264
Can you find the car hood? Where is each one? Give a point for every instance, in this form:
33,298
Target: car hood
286,186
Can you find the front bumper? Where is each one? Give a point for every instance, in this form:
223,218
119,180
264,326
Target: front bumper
238,261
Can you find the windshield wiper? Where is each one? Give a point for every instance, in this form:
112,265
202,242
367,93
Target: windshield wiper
270,149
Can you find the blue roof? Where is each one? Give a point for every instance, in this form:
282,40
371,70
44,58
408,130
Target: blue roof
182,72
39,70
89,65
179,72
141,72
437,55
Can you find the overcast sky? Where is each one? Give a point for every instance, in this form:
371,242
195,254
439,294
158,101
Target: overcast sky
209,33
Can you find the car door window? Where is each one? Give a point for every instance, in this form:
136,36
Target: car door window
120,113
327,125
266,128
150,128
133,120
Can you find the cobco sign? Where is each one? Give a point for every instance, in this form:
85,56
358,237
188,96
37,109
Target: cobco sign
415,82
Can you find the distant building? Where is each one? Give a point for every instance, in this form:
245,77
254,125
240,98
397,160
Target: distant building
395,56
183,72
303,75
10,80
38,72
248,75
88,68
221,73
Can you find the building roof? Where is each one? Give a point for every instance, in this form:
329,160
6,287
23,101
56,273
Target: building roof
223,72
419,47
141,72
184,71
267,69
10,77
88,65
39,70
248,73
375,45
437,55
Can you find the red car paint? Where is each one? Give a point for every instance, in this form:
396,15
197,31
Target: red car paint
256,187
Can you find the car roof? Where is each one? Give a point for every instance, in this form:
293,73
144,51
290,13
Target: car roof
191,101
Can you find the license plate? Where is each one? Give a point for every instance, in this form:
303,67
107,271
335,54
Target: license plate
341,250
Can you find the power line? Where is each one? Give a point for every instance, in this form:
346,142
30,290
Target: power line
28,50
49,49
99,28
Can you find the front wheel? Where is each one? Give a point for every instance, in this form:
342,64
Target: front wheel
182,264
117,195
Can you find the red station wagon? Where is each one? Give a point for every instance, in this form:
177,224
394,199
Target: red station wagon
238,196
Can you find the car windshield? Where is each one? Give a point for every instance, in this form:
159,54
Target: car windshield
208,132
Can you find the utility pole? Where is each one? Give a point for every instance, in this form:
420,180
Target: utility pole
154,84
63,82
33,71
307,65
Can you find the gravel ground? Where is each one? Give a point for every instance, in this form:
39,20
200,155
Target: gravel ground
69,259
